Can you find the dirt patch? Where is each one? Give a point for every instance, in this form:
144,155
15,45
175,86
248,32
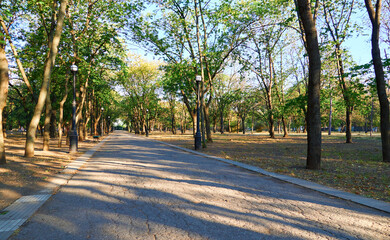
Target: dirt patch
24,176
355,168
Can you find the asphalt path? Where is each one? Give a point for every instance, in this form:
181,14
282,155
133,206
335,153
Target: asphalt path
134,188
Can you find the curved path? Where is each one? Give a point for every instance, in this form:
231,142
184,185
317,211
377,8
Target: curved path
134,188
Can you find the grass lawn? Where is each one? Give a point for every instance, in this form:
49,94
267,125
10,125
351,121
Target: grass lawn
355,167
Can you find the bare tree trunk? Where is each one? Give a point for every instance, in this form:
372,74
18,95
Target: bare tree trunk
53,123
4,79
285,130
372,115
374,15
46,136
271,122
222,126
330,116
173,124
61,118
185,121
30,137
80,129
243,124
208,123
347,98
193,117
202,120
252,124
84,127
348,122
313,117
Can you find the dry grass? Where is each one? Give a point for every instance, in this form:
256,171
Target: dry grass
23,176
355,167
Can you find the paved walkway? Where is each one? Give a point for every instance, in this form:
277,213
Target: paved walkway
134,188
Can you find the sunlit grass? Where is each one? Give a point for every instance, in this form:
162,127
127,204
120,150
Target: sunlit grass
355,167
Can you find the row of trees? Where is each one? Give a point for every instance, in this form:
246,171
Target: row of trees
44,39
277,48
237,106
265,61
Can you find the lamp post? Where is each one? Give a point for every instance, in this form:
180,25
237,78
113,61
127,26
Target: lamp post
198,136
109,125
147,125
73,138
102,122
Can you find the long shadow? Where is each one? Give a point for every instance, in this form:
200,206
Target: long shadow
191,169
142,210
146,208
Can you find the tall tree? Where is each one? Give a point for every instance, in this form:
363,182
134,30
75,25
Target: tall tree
53,42
4,79
337,18
195,34
307,17
375,17
139,80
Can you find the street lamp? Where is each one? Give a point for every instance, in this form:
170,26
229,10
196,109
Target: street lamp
147,124
102,122
73,138
109,124
198,136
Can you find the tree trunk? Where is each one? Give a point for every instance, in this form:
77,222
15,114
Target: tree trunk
346,95
46,135
313,117
348,130
30,137
208,123
371,115
53,123
80,129
185,121
4,79
271,122
374,15
84,127
222,126
270,114
173,124
61,118
243,124
285,129
202,121
252,124
330,116
193,117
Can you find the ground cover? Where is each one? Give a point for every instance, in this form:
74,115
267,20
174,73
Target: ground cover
355,168
23,176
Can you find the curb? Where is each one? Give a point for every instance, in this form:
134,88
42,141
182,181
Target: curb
21,210
368,202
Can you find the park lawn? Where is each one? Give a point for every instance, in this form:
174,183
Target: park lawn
355,167
24,176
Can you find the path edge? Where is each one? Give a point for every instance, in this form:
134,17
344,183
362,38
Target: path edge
368,202
16,214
